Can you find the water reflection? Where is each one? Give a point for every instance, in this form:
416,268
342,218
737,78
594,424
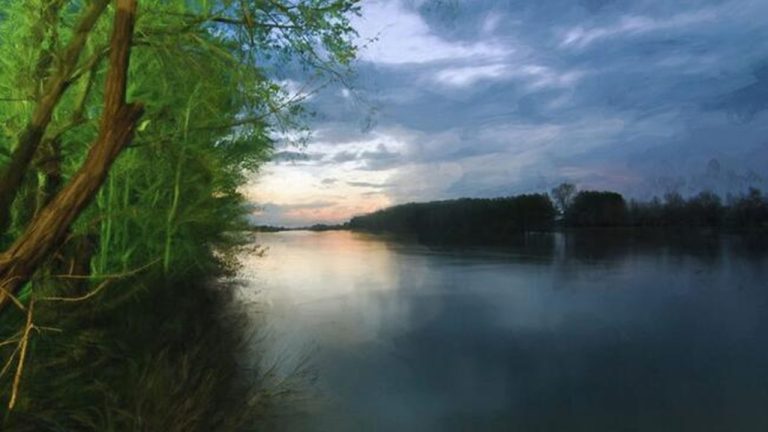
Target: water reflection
559,333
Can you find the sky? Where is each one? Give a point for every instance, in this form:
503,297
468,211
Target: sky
482,98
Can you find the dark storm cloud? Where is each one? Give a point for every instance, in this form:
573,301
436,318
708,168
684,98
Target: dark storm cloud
749,100
381,158
329,181
283,156
299,206
344,156
367,184
296,156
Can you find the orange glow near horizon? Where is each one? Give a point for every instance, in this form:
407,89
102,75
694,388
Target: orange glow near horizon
339,212
297,195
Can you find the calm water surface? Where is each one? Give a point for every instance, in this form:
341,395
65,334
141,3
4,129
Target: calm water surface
565,333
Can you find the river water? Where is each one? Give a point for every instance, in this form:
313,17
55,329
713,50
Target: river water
588,332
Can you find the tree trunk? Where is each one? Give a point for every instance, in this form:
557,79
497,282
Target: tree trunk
12,175
118,122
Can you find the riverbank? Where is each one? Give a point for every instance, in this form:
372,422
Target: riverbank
148,353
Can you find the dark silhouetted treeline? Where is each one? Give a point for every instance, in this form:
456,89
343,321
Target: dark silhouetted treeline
315,227
463,220
325,227
475,220
748,211
705,210
592,208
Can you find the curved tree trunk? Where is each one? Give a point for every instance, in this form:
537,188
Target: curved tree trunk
12,175
118,122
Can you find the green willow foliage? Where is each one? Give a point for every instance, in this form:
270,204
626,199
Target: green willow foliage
171,205
209,113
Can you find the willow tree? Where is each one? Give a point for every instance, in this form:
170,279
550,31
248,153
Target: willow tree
201,73
93,185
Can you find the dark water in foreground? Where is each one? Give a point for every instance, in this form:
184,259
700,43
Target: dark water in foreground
577,333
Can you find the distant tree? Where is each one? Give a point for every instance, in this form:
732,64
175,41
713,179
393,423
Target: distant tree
674,212
592,208
563,195
705,209
750,210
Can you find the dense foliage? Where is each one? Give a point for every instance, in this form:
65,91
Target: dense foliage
703,210
747,211
124,336
591,208
463,220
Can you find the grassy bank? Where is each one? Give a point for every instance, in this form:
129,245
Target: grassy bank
147,354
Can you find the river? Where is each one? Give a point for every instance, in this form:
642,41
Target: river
580,332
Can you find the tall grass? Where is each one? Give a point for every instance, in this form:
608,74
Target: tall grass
169,357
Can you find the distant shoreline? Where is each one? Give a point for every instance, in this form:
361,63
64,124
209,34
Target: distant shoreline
494,220
554,230
316,227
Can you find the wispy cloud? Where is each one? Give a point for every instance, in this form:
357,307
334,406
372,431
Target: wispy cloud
581,36
468,75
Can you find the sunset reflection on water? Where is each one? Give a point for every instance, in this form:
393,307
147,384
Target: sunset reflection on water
562,333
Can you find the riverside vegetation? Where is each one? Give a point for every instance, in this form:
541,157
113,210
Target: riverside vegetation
127,131
493,220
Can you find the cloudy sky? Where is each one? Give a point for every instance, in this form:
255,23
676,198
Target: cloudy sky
487,98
